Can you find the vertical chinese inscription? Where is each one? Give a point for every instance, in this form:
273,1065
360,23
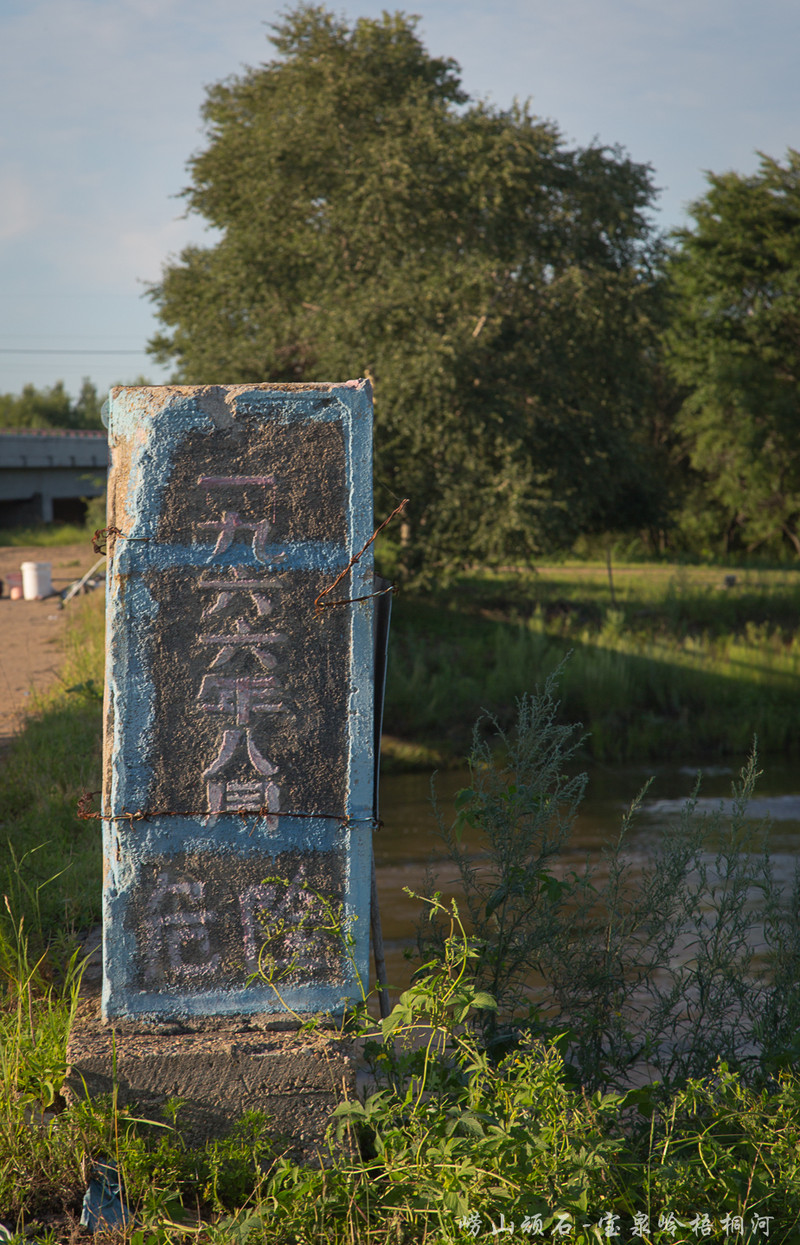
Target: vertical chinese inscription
254,685
239,717
241,700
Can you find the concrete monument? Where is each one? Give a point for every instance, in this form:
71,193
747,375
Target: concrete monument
239,746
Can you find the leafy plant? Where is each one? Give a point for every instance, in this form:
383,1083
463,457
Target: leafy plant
447,1129
522,805
654,977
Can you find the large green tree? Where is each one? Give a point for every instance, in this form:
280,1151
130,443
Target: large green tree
734,344
496,286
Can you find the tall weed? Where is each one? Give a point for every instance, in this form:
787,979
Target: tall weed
648,978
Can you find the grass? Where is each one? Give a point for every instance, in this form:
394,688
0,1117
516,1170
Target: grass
451,1144
48,535
42,776
454,1142
53,534
677,666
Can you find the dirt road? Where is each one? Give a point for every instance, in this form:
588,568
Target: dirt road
30,631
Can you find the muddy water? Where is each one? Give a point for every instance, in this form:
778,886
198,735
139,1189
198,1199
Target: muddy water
408,846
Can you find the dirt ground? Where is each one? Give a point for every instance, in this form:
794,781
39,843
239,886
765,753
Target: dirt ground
30,631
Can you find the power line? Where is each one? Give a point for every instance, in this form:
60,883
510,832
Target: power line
62,350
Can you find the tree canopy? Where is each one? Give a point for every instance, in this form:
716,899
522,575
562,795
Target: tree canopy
498,287
734,344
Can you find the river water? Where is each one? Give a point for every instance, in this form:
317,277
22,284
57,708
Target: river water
407,845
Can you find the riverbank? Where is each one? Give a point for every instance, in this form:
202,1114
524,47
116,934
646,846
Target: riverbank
514,1139
503,1140
664,661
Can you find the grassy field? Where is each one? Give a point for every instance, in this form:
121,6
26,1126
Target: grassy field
674,664
665,661
454,1144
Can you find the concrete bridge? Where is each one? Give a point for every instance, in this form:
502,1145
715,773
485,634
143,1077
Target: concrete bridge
45,473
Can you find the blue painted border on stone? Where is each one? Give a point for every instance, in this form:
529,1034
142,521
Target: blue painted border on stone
131,611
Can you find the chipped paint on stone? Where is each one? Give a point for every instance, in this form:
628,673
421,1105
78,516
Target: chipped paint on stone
224,691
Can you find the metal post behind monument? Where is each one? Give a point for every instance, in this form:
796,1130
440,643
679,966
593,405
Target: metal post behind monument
383,615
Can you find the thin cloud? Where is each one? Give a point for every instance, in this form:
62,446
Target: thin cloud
19,213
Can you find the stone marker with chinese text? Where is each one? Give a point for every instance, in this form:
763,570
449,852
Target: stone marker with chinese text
239,739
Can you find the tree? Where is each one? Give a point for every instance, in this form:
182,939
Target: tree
496,286
734,344
87,407
51,408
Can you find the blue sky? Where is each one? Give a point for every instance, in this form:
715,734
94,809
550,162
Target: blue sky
101,99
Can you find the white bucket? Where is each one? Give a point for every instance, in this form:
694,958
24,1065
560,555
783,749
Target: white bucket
36,580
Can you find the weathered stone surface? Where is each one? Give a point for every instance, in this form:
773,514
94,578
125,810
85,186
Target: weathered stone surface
281,677
219,1071
261,905
240,740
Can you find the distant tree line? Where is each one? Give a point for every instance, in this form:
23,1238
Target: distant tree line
51,408
546,365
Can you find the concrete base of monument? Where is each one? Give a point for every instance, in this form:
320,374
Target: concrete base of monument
220,1069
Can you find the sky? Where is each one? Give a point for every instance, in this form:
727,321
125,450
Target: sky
100,110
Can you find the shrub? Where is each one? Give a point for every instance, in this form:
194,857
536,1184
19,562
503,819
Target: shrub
698,960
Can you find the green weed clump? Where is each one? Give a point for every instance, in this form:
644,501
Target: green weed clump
655,973
41,1164
457,1141
449,1143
